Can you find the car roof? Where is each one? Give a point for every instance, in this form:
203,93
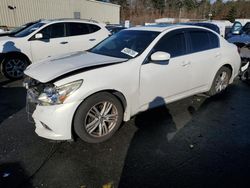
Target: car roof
165,28
46,21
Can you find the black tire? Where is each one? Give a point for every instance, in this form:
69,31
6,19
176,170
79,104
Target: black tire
222,70
13,66
82,112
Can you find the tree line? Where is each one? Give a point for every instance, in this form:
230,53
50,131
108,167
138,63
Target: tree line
141,11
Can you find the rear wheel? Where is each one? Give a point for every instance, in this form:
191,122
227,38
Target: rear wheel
221,81
98,117
14,66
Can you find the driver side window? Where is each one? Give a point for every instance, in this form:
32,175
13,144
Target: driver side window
172,43
54,31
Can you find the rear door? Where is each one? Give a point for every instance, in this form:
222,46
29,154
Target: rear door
82,36
206,55
54,42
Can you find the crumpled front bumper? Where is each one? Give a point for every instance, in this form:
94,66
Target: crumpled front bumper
52,122
55,122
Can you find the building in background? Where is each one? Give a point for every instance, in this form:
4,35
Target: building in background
17,12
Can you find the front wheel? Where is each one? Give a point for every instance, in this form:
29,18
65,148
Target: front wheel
98,117
13,67
221,81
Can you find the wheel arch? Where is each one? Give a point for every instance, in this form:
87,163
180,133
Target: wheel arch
20,54
3,56
119,95
230,68
223,65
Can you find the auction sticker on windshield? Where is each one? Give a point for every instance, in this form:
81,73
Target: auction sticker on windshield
129,52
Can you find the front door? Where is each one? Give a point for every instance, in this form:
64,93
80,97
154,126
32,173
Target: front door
169,81
54,42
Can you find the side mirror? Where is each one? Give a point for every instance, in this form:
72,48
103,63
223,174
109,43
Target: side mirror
39,36
160,57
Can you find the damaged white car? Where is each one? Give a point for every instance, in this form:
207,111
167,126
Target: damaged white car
91,93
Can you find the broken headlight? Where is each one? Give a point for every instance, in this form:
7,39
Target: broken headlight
53,95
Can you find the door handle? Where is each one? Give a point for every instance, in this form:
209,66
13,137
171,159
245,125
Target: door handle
64,42
92,39
185,63
217,54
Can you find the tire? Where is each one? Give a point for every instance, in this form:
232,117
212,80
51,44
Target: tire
93,127
219,85
14,66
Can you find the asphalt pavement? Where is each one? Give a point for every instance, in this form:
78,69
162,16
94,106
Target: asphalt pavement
195,142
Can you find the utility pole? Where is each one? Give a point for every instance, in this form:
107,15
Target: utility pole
204,10
180,15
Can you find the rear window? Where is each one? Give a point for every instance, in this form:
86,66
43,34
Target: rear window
74,29
214,40
93,28
199,41
203,40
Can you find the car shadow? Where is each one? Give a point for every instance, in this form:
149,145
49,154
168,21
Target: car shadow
12,99
9,46
14,176
154,154
143,166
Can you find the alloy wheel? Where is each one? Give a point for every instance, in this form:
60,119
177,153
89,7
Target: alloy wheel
222,82
101,119
15,67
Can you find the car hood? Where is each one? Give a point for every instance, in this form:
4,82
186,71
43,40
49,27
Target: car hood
49,69
244,38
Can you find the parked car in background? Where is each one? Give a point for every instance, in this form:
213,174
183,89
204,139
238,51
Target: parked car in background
223,26
47,38
91,93
241,38
238,29
115,28
18,29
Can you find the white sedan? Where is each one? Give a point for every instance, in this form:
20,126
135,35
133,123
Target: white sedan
90,93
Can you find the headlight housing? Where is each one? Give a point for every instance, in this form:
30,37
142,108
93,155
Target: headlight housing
53,95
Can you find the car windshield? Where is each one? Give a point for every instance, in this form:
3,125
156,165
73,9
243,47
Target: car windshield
18,29
29,30
125,44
